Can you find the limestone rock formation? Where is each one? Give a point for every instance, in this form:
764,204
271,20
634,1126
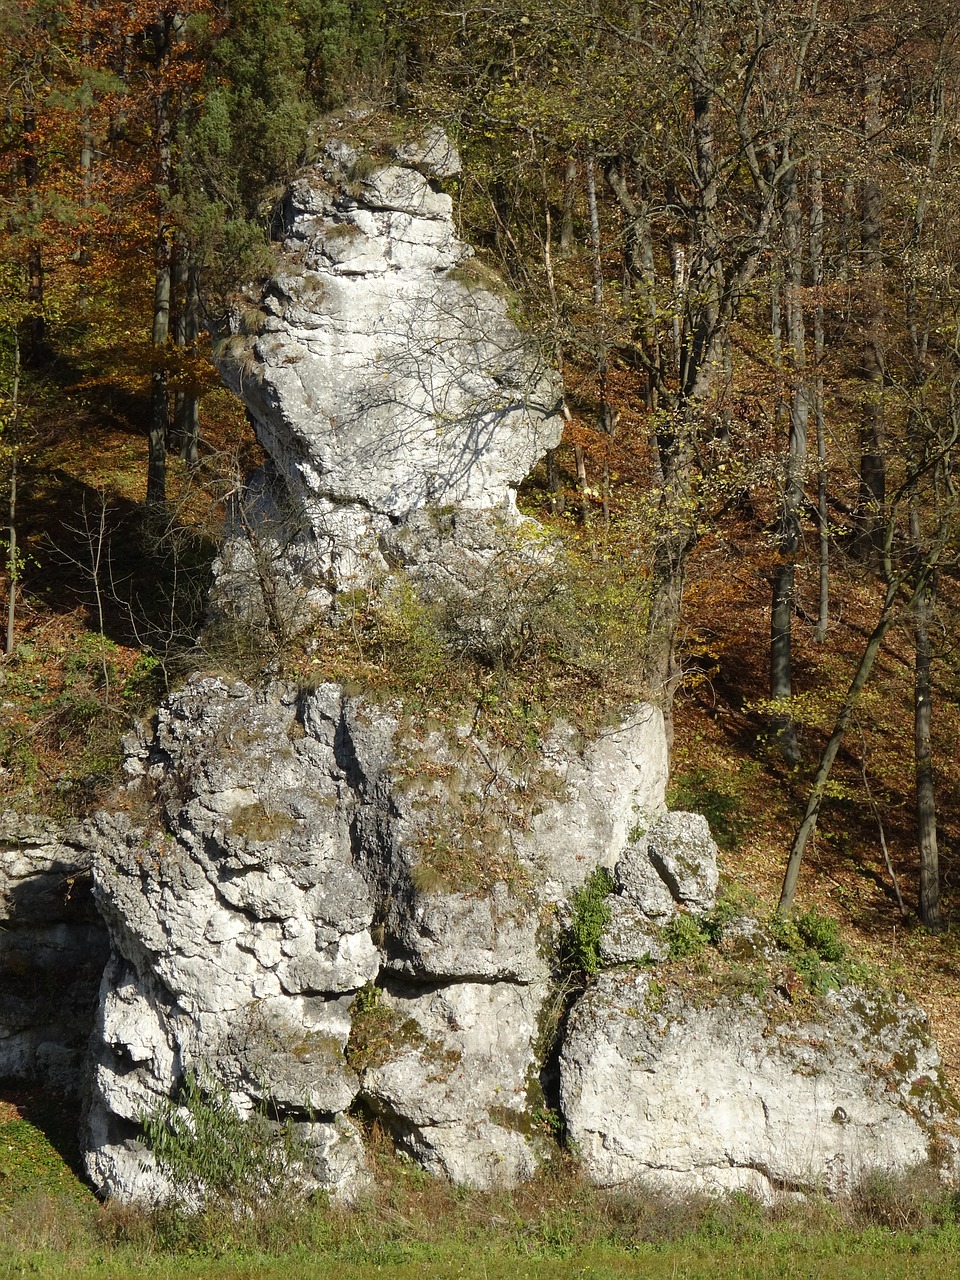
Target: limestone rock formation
314,845
745,1093
53,947
322,909
295,934
386,378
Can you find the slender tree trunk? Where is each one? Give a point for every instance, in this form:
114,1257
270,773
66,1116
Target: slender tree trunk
819,347
792,496
923,755
848,201
580,462
178,331
86,162
13,567
555,498
920,329
159,397
35,351
872,648
606,422
569,205
190,429
640,269
159,428
186,329
872,495
822,775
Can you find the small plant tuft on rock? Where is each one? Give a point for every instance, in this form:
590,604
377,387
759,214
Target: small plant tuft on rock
589,916
686,937
210,1152
816,952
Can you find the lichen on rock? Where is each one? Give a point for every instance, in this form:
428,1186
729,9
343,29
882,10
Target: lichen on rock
741,1094
285,882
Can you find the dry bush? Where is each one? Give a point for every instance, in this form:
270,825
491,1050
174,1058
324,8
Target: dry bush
911,1201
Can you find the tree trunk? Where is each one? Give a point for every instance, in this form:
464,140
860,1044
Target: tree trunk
792,496
12,561
569,205
164,32
822,775
159,398
920,331
640,268
35,351
872,484
849,705
926,797
12,555
823,525
186,328
606,422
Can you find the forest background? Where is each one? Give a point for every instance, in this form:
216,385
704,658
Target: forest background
734,228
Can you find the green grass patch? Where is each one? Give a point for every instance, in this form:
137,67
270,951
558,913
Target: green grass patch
411,1225
505,1254
39,1153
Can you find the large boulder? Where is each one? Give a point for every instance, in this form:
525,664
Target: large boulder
322,864
661,1088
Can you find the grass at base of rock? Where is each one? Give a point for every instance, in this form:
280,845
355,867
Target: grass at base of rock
39,1151
827,1257
411,1226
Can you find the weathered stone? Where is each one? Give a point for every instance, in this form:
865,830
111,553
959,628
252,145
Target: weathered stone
638,881
630,937
681,848
316,843
433,154
614,783
659,1090
385,377
457,1079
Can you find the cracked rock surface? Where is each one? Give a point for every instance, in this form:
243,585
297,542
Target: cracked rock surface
386,377
741,1094
290,934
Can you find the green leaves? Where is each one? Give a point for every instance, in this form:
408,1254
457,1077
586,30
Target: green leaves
589,916
207,1149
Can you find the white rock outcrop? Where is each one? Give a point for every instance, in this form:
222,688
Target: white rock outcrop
292,936
327,911
662,1090
385,377
298,876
